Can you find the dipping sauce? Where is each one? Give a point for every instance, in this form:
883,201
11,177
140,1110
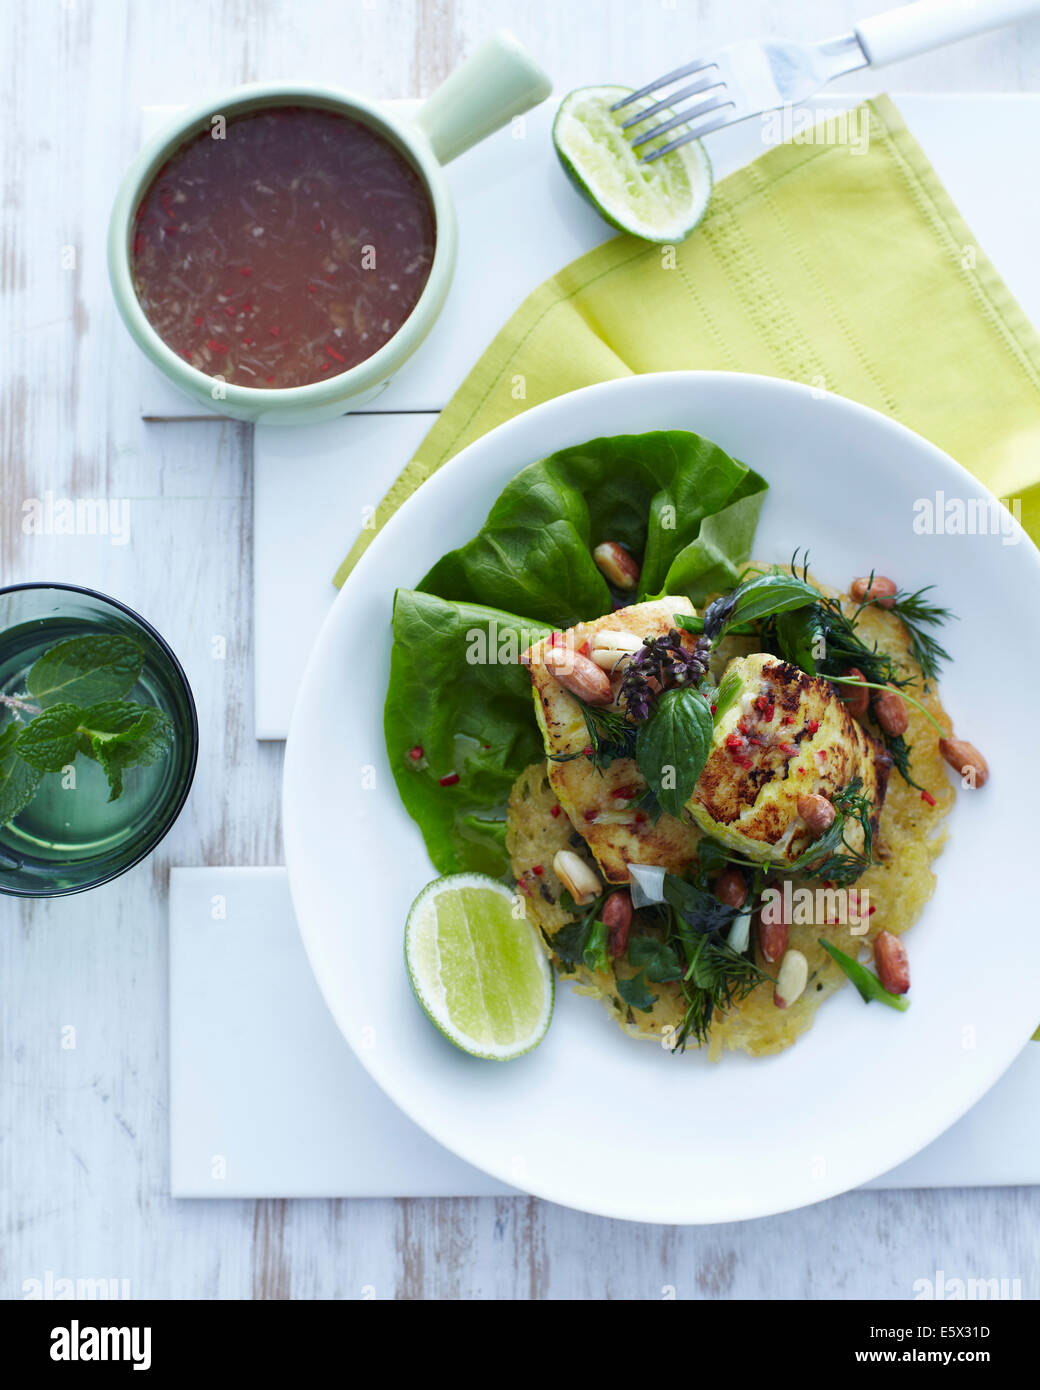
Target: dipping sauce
286,252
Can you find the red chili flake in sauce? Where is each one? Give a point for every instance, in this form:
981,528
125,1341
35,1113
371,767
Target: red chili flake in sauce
813,725
275,331
198,318
590,815
555,811
415,753
714,708
787,719
555,639
331,352
537,869
641,817
450,780
734,741
787,749
765,707
927,796
245,196
624,793
745,763
588,750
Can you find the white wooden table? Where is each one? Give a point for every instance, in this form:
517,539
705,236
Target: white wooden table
83,1142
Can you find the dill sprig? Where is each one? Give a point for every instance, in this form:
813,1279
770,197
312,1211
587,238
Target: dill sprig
917,616
611,735
717,978
841,863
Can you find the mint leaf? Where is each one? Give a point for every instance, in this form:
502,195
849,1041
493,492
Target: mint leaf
636,994
84,670
117,733
50,741
672,747
18,779
120,735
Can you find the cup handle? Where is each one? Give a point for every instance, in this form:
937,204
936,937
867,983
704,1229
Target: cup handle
498,81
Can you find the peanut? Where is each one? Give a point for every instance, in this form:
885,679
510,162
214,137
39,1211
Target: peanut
893,968
857,702
817,812
617,918
610,648
578,674
890,712
730,887
882,590
616,565
580,881
966,759
773,929
791,979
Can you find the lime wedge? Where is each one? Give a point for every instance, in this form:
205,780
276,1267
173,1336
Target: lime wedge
478,967
662,201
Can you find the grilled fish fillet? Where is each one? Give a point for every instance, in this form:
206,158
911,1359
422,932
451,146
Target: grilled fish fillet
602,804
786,734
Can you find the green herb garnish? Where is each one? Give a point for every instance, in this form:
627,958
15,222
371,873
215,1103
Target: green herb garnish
672,747
74,699
718,977
917,616
611,736
636,993
868,984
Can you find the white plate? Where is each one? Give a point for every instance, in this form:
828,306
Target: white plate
592,1119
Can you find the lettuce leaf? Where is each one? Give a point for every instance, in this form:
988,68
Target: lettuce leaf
672,497
457,693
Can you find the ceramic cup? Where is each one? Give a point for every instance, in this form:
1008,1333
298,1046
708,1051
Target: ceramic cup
499,81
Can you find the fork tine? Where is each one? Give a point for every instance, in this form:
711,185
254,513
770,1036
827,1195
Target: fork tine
683,118
690,91
697,134
658,82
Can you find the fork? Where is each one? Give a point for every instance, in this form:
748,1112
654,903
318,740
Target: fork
750,77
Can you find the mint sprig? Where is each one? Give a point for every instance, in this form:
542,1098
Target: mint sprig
18,779
118,734
85,670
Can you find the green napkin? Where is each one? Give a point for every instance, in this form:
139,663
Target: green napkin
850,271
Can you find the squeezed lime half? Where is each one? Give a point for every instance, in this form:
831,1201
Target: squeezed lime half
478,967
662,201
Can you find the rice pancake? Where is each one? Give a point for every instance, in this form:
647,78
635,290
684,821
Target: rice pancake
785,735
603,804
